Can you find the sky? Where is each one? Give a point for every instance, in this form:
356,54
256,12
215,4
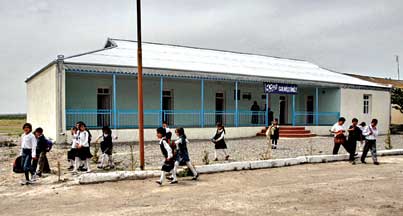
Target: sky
351,36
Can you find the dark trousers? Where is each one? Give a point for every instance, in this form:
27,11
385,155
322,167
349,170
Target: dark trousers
274,141
336,148
369,145
26,162
352,145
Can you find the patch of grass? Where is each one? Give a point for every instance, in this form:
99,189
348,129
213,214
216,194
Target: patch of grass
13,116
11,127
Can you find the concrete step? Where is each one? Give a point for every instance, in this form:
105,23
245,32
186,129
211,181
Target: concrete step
291,132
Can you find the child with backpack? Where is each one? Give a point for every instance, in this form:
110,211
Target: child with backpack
28,152
106,148
168,154
219,142
83,148
41,150
182,154
370,132
72,153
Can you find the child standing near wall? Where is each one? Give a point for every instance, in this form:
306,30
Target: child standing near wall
71,155
28,151
218,140
182,156
370,132
83,148
106,148
167,152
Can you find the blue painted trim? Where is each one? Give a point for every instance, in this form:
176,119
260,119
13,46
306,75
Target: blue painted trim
293,110
316,106
202,103
115,125
236,105
161,100
267,110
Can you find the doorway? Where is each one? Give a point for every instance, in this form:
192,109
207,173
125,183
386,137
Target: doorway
167,106
309,109
219,107
283,110
103,107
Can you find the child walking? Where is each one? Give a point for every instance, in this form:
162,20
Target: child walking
106,148
218,140
339,138
71,155
28,151
41,149
274,133
354,135
83,149
361,144
166,150
370,132
182,156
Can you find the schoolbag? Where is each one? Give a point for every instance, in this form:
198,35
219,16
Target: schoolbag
49,145
17,166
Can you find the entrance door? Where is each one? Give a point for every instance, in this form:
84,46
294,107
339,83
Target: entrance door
167,106
283,110
219,107
309,109
103,107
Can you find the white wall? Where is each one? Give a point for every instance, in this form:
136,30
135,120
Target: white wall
351,106
41,101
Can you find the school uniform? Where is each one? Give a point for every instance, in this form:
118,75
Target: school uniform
182,156
339,139
72,153
106,148
219,143
274,134
41,148
168,163
28,151
84,152
168,135
370,143
353,136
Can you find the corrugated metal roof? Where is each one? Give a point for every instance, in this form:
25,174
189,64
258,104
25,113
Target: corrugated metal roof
173,57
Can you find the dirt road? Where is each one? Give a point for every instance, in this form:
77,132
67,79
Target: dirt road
320,189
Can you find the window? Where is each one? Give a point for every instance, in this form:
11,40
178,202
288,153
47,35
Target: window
103,91
247,96
367,104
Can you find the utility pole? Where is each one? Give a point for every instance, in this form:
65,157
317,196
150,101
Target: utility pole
140,86
398,67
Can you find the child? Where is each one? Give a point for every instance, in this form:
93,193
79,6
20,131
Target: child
106,148
218,140
41,149
361,144
370,132
274,133
339,138
167,130
28,151
83,149
166,151
354,135
71,155
182,156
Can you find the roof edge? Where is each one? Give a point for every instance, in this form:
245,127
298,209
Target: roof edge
40,71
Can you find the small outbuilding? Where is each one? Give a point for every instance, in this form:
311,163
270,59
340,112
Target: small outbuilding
195,88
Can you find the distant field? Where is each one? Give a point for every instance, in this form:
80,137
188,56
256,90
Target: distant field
11,126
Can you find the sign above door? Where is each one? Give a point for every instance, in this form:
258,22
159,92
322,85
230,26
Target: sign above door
278,88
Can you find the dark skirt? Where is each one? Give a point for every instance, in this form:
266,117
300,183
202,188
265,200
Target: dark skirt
168,166
220,144
182,157
71,155
106,148
84,153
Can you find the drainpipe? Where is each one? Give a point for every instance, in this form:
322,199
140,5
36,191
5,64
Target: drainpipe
59,96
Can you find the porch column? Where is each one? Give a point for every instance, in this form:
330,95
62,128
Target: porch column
316,106
115,116
293,110
236,105
267,110
160,118
202,103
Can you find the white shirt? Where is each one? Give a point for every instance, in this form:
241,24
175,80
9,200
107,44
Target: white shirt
367,130
74,140
167,148
336,127
219,138
83,138
28,141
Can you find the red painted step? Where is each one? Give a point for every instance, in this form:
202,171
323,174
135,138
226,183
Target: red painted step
290,132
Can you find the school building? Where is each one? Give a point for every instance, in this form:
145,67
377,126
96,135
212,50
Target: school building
195,88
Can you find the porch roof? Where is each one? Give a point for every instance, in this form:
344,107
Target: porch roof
199,62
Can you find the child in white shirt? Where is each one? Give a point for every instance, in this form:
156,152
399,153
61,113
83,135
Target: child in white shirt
28,151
